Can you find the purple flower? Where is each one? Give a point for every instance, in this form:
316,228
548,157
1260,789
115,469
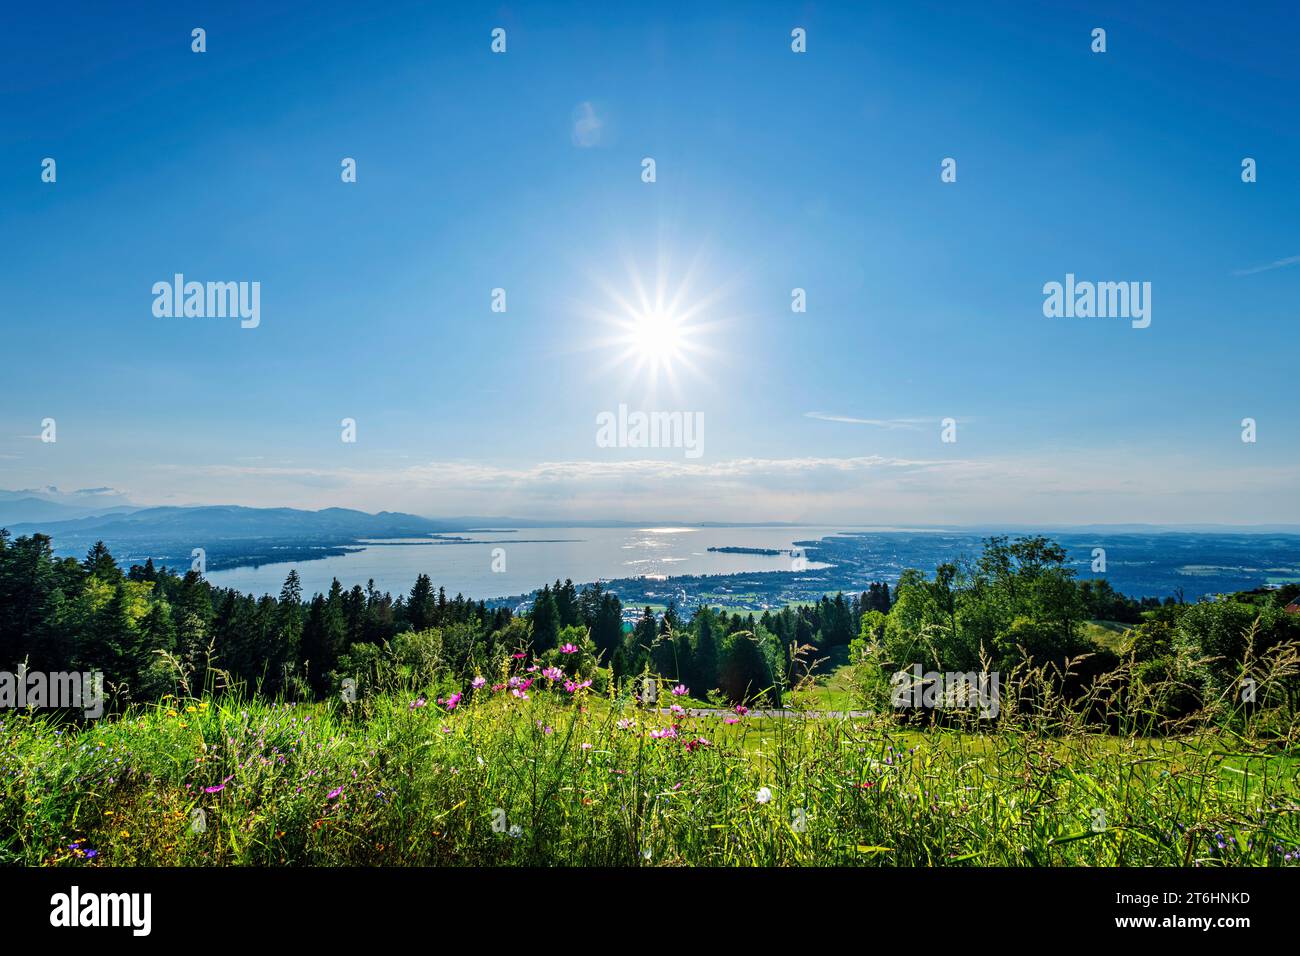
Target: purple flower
568,649
680,690
553,673
478,682
334,793
219,787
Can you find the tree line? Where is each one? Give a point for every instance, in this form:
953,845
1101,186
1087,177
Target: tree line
152,631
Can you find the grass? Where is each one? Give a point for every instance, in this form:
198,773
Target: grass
555,780
1108,634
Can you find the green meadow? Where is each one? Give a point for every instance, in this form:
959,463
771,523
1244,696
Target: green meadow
575,779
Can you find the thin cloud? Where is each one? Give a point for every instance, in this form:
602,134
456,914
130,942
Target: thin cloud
588,127
912,424
1278,264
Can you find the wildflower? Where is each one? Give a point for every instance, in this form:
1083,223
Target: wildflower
219,787
568,649
334,793
516,831
670,732
764,795
477,683
731,720
452,701
519,694
553,674
586,746
741,710
625,724
679,690
519,657
677,709
515,681
418,702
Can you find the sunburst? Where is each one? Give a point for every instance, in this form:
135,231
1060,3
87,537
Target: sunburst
657,331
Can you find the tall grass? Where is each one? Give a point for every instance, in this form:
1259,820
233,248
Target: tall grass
561,779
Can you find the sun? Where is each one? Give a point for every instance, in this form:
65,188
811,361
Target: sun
656,330
658,337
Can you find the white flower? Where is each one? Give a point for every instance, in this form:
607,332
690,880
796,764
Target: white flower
764,795
516,831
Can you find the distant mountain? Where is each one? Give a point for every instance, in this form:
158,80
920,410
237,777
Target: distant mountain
223,522
51,504
229,535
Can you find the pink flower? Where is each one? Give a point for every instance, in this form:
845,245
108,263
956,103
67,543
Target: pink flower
670,732
553,674
519,657
452,701
334,793
568,649
418,702
515,681
625,724
677,709
478,682
680,690
532,669
742,710
526,684
731,720
519,693
219,787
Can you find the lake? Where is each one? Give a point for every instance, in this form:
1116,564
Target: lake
532,557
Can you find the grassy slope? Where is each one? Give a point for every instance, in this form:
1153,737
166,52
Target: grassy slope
388,784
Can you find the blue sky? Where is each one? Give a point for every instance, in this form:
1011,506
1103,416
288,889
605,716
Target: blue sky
775,170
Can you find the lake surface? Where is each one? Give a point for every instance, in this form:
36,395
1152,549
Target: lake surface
532,557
